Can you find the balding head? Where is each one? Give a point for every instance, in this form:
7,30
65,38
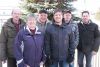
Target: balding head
16,13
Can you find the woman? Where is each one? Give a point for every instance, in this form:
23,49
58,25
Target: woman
28,44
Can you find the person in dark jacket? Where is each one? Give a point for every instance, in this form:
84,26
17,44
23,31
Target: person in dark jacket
59,41
42,23
42,20
28,47
8,33
88,39
69,22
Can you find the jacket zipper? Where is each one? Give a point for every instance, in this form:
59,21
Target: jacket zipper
35,46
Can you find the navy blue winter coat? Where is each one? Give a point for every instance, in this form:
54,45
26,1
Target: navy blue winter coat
59,42
28,48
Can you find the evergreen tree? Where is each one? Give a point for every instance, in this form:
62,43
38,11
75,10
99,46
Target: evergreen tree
49,5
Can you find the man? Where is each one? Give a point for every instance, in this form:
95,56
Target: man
7,36
59,41
74,26
42,21
88,39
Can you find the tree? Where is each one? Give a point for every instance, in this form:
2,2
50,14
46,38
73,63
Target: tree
49,5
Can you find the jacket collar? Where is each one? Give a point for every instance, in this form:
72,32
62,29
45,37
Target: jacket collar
87,23
29,32
62,25
10,23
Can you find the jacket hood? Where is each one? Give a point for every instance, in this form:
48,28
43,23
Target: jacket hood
28,32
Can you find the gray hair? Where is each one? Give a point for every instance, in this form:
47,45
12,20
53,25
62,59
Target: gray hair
30,15
16,9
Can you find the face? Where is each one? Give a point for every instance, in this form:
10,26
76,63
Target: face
67,16
16,13
58,17
31,22
85,17
42,17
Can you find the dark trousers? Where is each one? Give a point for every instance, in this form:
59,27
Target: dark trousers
88,57
59,64
0,63
11,62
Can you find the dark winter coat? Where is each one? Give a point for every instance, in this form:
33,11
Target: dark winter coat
28,47
74,28
88,37
7,37
59,41
42,27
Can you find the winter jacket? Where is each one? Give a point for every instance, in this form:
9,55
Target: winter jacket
42,27
59,42
88,37
74,27
7,36
28,47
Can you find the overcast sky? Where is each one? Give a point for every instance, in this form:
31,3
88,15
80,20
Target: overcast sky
91,5
9,3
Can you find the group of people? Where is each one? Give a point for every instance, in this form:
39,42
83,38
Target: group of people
27,44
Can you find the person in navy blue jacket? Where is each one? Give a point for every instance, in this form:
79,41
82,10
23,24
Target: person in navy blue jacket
28,46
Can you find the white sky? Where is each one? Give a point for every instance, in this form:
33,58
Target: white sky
9,3
91,5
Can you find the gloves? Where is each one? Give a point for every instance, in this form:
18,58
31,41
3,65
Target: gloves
48,61
43,59
70,58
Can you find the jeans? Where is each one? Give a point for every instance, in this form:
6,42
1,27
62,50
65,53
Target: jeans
59,64
71,64
88,56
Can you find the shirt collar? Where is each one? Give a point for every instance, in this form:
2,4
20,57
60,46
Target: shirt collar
87,23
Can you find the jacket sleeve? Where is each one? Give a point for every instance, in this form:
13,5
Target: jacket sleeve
76,33
96,39
18,50
71,44
47,41
3,45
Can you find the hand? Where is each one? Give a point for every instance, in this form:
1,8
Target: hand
48,60
70,58
4,61
94,53
43,59
27,66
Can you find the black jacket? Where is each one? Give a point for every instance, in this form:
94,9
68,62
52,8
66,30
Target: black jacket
88,37
59,42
